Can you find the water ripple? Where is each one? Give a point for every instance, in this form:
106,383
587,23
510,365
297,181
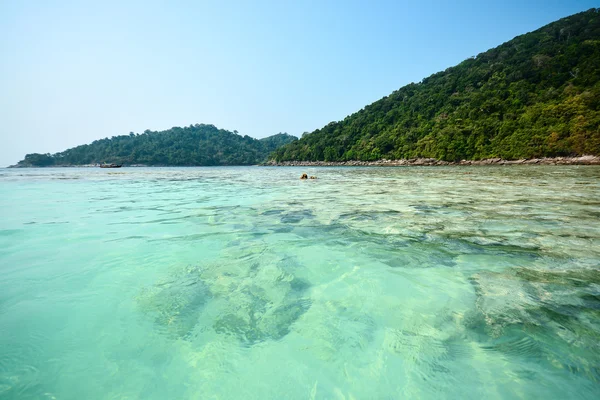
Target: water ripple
249,283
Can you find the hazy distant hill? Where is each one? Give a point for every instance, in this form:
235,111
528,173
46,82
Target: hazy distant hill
536,95
194,145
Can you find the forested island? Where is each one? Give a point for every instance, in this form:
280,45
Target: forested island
537,95
195,145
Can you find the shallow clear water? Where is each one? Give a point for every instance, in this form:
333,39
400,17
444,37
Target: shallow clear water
368,283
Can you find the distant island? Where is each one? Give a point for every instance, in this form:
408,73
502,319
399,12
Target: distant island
195,145
535,96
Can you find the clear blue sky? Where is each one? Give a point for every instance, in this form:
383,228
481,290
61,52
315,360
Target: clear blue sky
75,71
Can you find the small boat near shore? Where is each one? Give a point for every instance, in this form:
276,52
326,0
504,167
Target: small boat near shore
111,165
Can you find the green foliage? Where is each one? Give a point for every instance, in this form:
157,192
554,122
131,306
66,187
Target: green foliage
536,95
40,160
194,145
271,143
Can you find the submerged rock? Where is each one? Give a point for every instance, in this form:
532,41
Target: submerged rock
260,321
531,297
264,304
547,315
176,304
295,216
253,299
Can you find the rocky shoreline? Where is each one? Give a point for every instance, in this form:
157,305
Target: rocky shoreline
583,160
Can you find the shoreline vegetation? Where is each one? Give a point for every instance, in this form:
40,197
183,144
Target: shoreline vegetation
583,160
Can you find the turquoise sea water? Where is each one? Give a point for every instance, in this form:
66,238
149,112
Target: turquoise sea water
247,283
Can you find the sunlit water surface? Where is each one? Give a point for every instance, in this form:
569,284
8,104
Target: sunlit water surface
247,283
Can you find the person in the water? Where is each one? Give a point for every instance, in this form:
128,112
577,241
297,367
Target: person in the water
304,176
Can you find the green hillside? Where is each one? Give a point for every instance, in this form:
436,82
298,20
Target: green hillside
537,95
194,145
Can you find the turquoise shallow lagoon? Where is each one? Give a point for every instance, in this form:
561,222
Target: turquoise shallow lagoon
247,283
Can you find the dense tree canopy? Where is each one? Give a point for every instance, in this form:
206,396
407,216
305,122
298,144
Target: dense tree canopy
194,145
536,95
